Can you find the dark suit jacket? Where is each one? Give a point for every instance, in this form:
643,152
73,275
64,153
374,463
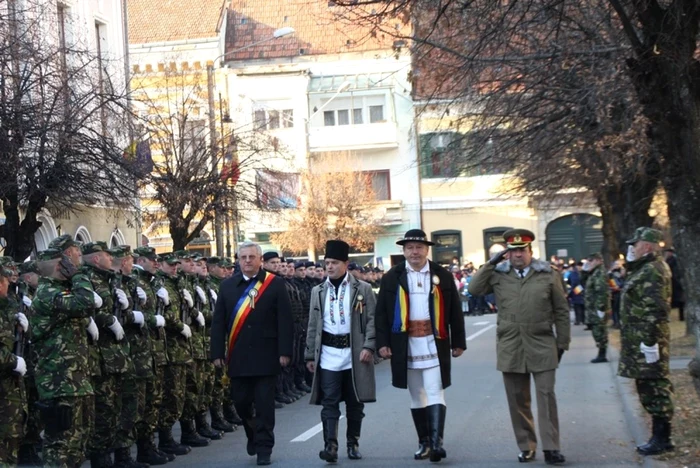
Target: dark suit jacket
266,334
398,342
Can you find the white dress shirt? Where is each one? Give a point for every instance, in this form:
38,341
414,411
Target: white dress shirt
422,352
336,320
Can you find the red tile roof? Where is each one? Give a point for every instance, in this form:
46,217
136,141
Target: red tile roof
171,20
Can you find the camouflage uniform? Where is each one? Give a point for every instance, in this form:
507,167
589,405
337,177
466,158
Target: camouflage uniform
113,361
13,401
598,299
62,309
644,315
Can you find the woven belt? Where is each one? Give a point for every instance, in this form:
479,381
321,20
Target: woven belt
417,328
335,341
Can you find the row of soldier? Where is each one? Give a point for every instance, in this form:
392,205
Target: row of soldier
102,349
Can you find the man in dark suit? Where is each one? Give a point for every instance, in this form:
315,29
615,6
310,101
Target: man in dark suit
419,324
252,335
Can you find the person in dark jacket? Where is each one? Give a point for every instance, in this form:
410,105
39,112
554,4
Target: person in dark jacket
419,324
252,335
576,293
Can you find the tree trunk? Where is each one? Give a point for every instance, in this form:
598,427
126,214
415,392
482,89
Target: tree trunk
610,250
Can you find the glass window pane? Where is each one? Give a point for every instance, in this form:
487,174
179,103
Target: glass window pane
329,118
343,117
273,119
288,118
376,114
259,118
357,116
380,185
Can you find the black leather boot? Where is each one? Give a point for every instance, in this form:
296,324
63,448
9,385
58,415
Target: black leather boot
353,438
554,457
218,422
204,429
167,444
189,434
601,355
29,456
420,420
660,441
436,424
330,439
146,453
231,415
122,459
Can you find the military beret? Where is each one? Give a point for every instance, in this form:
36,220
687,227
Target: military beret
94,247
120,251
183,254
49,254
214,261
646,234
518,238
299,264
63,242
147,252
170,258
267,256
28,267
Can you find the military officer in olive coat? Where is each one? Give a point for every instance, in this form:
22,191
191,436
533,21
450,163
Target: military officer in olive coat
532,334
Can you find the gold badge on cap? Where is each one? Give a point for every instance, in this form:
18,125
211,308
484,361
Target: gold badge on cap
517,238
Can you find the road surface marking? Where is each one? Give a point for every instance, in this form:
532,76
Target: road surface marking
483,330
310,433
478,324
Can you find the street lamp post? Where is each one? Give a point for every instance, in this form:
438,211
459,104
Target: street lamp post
218,229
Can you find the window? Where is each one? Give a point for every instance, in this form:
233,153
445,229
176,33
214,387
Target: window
271,119
288,118
329,118
452,154
355,111
276,189
343,117
357,116
193,141
376,114
380,181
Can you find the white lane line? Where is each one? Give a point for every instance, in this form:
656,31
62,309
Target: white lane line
310,433
483,330
477,324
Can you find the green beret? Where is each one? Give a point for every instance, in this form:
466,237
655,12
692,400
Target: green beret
94,247
170,258
646,234
63,242
120,251
28,267
147,252
49,254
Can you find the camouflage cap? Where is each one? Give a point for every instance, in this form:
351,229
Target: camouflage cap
63,242
227,263
120,251
49,254
28,267
5,273
170,258
196,256
146,252
8,262
646,234
182,254
595,256
94,247
214,261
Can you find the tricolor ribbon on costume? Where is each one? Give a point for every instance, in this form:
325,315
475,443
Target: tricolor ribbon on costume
243,308
400,324
436,303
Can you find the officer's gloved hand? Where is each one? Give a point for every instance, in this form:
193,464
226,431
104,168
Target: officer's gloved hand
141,294
651,353
498,257
138,318
22,320
186,332
162,293
200,293
160,321
600,314
27,301
200,319
187,297
121,297
117,329
21,367
98,300
214,296
93,331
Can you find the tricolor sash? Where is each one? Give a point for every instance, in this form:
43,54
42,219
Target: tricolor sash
400,324
436,305
243,309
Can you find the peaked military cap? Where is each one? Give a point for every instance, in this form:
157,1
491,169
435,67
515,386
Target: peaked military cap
183,254
309,264
300,264
94,247
518,238
63,242
353,266
646,234
146,252
120,251
49,254
415,235
196,256
170,258
28,267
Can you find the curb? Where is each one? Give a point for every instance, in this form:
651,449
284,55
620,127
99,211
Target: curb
632,410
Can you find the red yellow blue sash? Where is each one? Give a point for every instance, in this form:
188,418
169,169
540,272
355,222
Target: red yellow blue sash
243,309
401,308
436,305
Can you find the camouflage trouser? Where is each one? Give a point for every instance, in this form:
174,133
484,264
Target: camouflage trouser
656,396
174,382
193,390
108,409
9,450
13,416
599,330
133,409
154,398
66,449
218,393
207,371
34,422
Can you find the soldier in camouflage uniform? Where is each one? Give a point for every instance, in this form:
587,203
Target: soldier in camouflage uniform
31,442
133,395
63,305
110,357
179,354
597,304
299,366
644,316
13,402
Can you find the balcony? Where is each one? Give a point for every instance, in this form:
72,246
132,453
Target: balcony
353,137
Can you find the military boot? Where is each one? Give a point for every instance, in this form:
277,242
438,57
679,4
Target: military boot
420,420
204,429
602,351
101,460
146,453
122,459
660,441
330,439
167,444
353,439
436,425
218,422
189,434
